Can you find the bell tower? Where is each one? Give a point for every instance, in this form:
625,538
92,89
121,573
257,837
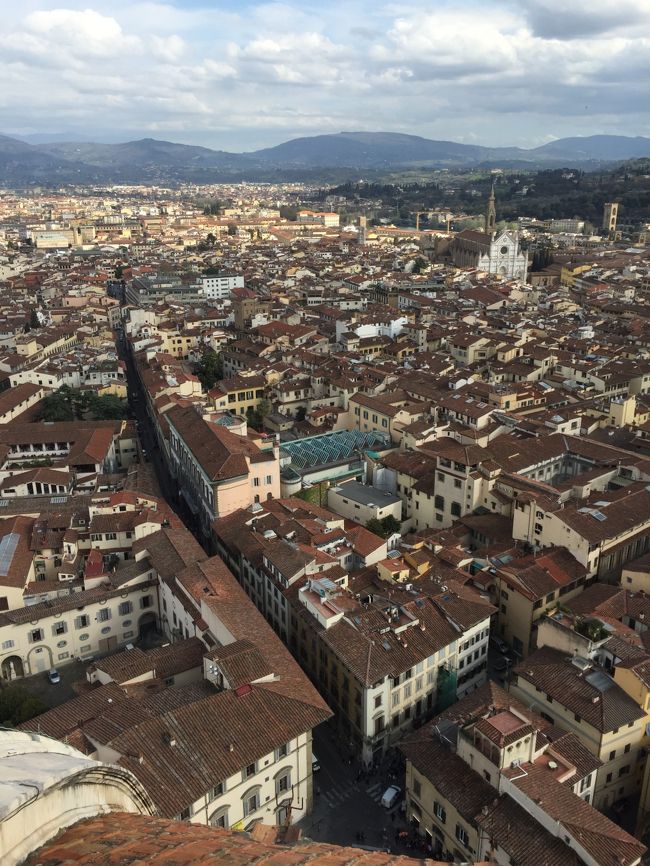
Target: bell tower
490,214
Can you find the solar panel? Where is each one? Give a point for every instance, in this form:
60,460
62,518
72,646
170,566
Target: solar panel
8,547
599,681
599,515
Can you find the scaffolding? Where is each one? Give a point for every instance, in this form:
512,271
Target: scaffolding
446,692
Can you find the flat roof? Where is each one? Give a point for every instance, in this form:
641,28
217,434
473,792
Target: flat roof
365,494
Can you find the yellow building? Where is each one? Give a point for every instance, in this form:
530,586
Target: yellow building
582,698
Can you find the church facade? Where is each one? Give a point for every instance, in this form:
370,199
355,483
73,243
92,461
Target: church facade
495,253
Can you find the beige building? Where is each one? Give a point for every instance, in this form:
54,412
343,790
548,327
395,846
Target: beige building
361,502
582,698
492,779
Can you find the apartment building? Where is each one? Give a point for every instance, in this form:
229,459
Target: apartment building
224,673
78,625
275,547
238,394
490,778
219,287
603,531
524,587
218,471
581,697
389,413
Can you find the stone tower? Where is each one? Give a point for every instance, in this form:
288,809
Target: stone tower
490,214
610,215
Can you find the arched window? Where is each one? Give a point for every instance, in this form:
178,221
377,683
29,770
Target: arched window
283,780
219,818
251,800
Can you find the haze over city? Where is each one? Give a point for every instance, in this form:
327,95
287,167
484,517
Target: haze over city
246,75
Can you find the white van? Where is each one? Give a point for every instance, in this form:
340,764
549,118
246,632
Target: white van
391,796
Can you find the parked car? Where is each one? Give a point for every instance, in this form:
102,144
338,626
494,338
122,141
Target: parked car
54,676
390,796
315,764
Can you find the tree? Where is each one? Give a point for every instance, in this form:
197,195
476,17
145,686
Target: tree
210,239
58,406
119,272
71,404
209,368
255,417
17,705
385,527
107,408
232,229
419,264
263,408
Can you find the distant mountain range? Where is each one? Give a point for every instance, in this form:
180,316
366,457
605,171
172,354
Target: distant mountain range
151,161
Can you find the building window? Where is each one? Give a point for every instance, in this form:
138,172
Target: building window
82,621
251,801
612,755
186,814
455,509
283,782
104,614
440,813
7,644
249,771
59,628
220,818
145,601
461,835
439,502
124,608
282,752
217,791
35,635
417,787
377,701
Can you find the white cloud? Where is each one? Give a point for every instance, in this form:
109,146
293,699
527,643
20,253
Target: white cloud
169,48
84,32
494,69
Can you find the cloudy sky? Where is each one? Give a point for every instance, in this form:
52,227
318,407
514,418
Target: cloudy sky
242,75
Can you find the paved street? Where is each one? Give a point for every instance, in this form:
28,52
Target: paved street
347,803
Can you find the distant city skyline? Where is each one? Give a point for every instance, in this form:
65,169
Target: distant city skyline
249,75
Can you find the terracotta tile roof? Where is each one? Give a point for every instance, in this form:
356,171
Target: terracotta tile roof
119,839
220,453
605,841
523,838
591,694
572,749
455,780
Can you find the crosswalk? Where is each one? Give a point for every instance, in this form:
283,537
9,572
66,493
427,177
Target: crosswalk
340,793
